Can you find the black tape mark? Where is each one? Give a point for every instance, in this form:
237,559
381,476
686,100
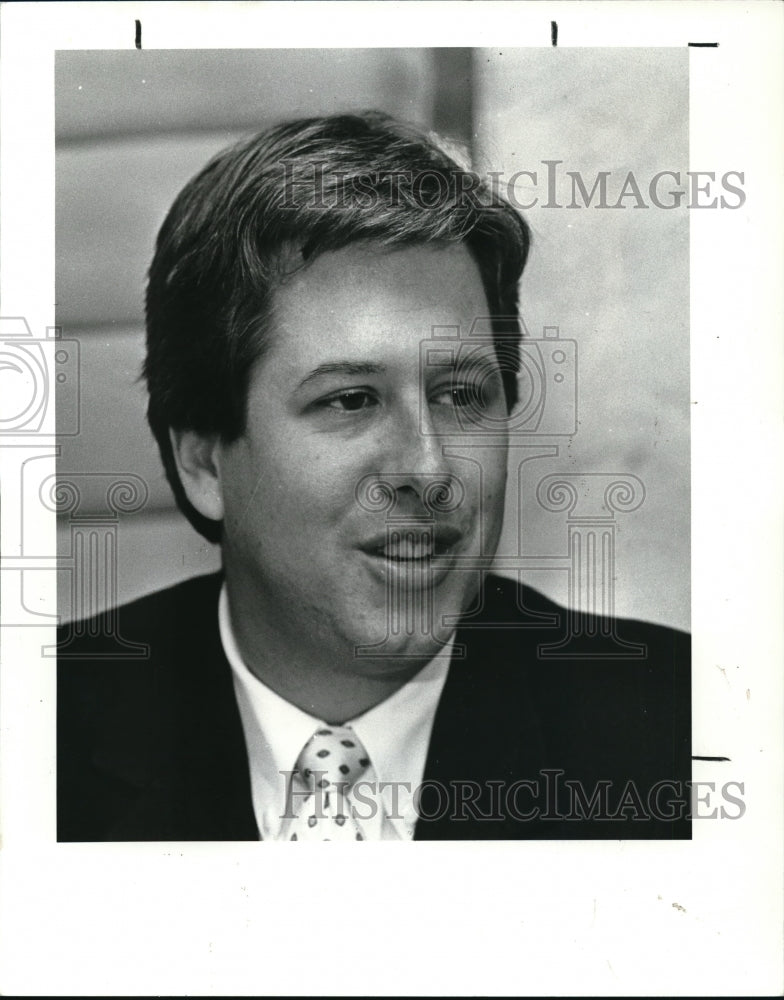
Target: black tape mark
703,45
138,34
710,758
554,32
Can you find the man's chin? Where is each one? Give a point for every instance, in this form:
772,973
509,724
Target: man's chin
389,652
406,624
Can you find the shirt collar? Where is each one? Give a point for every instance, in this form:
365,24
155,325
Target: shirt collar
395,733
278,730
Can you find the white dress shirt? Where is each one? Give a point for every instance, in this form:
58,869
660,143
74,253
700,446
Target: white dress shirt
395,734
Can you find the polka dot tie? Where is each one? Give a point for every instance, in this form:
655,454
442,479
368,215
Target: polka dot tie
331,761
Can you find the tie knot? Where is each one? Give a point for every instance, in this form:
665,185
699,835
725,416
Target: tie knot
333,756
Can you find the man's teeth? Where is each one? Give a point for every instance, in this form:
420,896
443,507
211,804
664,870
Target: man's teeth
408,548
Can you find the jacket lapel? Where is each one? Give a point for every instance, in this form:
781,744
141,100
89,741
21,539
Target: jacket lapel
191,780
486,730
175,746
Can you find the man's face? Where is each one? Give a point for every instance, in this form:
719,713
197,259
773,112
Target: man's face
338,404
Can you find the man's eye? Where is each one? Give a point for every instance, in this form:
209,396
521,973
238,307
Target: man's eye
459,396
349,402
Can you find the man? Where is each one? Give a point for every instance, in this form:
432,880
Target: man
333,349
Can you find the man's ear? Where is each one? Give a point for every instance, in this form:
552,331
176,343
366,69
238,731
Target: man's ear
198,463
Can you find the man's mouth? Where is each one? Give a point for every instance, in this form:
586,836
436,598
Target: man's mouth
413,545
410,546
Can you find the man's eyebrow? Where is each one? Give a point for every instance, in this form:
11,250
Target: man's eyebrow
344,368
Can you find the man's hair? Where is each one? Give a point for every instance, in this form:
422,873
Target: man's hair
271,204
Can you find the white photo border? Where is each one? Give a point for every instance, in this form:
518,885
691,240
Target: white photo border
585,918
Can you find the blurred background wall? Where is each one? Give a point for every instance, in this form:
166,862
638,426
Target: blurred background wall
133,127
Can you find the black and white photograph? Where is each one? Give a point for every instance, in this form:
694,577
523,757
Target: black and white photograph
375,627
378,505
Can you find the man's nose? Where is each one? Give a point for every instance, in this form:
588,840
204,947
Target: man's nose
415,458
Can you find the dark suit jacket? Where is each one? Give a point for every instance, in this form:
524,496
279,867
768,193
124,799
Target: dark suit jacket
552,726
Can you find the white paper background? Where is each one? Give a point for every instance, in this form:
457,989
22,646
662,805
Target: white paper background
584,918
